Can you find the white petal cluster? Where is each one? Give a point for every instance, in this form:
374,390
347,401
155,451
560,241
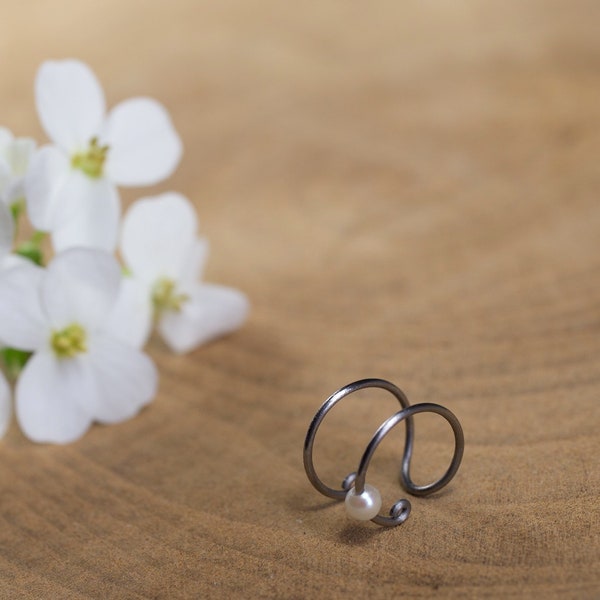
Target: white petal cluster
77,326
165,258
71,186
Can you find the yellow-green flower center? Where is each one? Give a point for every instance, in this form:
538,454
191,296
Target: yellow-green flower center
165,296
69,342
91,161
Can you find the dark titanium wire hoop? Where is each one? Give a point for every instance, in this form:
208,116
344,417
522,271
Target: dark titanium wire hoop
322,412
400,511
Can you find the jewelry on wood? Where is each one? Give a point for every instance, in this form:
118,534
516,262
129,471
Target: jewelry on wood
363,501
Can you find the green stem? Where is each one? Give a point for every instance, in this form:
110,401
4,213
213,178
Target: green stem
17,209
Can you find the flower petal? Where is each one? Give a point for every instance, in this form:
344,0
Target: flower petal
6,138
144,147
22,322
87,214
194,265
6,231
13,260
5,405
126,380
158,236
48,172
130,320
81,286
18,154
212,311
5,181
48,398
6,141
70,103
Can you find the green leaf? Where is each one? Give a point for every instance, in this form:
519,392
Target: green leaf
14,360
31,252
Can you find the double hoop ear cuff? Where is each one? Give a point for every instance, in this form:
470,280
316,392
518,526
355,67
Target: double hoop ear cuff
363,501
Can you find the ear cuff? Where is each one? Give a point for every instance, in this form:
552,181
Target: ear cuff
363,501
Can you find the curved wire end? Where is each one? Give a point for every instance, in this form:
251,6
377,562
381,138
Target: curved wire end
398,514
348,481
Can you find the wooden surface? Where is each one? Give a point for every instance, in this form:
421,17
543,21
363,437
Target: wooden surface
408,190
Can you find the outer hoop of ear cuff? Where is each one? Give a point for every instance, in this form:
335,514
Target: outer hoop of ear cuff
363,501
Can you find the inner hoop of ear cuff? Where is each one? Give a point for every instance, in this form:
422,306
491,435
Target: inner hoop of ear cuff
363,501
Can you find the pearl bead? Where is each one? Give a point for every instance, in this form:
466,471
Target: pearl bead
365,506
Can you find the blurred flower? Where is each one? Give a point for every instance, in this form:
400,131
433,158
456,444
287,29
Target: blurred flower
165,257
71,334
71,184
15,154
6,232
6,238
79,372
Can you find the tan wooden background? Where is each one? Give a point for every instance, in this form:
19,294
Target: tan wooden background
408,190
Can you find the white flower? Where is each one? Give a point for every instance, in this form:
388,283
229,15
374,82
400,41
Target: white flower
161,249
15,154
6,238
71,184
78,372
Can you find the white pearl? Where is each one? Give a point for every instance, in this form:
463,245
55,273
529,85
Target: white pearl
365,506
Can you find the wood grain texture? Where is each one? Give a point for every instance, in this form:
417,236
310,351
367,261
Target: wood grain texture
408,190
